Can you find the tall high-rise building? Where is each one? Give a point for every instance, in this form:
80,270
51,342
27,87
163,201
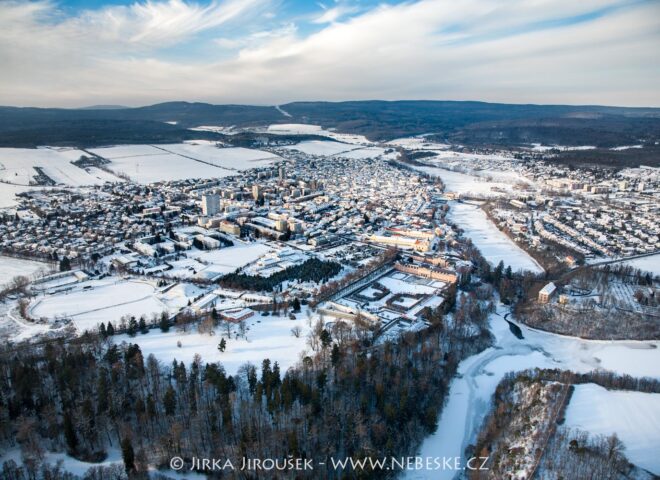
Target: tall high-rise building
256,191
282,173
210,204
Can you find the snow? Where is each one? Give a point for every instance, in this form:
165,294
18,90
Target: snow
633,416
494,245
307,129
197,159
321,148
337,149
295,129
471,391
17,166
544,148
107,301
267,337
399,286
12,267
470,184
69,464
213,263
647,264
626,147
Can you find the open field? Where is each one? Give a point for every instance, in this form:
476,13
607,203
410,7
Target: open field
12,267
633,416
17,165
199,159
267,337
90,303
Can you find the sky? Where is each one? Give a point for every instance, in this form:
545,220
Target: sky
74,53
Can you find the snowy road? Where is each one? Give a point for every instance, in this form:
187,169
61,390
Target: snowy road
471,391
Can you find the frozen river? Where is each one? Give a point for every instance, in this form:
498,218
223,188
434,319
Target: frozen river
471,391
493,244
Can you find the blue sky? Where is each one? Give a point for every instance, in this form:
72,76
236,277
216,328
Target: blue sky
135,52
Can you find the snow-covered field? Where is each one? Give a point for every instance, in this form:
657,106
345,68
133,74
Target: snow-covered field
210,264
648,264
494,245
267,337
17,166
471,392
106,301
633,416
322,148
306,129
12,267
470,184
399,286
198,159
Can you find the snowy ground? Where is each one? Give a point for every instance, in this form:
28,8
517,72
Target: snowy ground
306,129
633,416
471,391
106,301
12,267
267,337
322,148
17,166
470,184
210,264
493,244
648,264
198,159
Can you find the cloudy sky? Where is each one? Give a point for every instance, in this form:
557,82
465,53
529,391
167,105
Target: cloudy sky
83,52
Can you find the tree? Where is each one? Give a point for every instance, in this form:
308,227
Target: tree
132,327
296,305
142,325
70,433
326,339
164,323
128,455
296,331
169,401
222,345
110,330
65,264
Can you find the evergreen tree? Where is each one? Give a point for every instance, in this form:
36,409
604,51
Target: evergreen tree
128,455
164,323
132,327
142,325
110,330
222,345
169,401
70,433
296,305
102,330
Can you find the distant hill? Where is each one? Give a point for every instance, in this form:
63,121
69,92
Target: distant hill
466,123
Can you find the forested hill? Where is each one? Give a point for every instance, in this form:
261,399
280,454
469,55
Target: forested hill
468,123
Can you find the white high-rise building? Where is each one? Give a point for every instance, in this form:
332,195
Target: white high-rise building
210,204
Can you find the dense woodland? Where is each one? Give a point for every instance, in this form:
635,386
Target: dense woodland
312,270
88,396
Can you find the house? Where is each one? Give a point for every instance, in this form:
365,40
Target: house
546,293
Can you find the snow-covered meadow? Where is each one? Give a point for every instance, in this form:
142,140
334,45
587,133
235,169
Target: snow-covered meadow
13,267
195,159
266,337
96,301
494,245
17,166
633,416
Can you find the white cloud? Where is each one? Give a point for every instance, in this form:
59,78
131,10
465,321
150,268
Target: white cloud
509,51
